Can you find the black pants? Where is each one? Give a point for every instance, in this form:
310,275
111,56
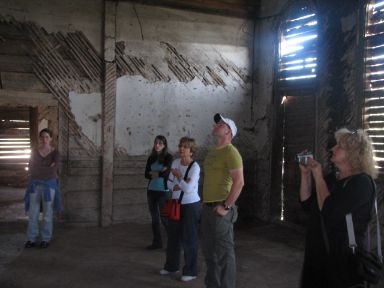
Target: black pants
184,234
156,201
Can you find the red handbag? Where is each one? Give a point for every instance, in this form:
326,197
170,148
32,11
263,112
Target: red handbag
172,208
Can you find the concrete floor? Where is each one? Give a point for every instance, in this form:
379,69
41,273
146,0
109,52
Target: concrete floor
268,256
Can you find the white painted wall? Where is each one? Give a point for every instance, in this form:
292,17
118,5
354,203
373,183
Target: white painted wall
87,111
171,109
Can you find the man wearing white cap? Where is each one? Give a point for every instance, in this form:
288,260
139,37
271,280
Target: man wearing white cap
223,182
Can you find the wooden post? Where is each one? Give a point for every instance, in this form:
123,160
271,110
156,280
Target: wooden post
109,112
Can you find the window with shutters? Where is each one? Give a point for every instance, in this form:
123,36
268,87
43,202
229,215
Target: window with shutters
295,79
15,145
374,78
298,47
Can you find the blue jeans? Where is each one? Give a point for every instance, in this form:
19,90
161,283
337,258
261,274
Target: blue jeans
36,199
184,233
219,248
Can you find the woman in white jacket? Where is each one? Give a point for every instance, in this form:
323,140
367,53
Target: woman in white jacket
185,231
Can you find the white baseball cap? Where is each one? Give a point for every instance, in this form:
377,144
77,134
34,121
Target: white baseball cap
218,117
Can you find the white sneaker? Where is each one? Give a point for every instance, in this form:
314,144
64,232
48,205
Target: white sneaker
186,278
166,272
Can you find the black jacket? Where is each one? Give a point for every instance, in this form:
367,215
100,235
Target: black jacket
165,174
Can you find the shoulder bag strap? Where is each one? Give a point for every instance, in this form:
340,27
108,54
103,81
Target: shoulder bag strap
379,252
351,232
185,179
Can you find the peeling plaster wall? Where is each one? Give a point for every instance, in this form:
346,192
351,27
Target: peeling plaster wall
216,48
58,15
176,108
175,70
173,110
65,17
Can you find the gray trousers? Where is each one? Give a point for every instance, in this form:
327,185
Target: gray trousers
219,248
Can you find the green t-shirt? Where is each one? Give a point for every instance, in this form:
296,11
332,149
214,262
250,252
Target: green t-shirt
217,164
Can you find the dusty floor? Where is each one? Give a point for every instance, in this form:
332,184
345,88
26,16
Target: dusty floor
268,256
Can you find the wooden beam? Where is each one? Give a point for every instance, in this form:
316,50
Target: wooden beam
26,98
22,81
234,8
15,63
109,113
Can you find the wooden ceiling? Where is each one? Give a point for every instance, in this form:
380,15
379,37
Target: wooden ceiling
234,8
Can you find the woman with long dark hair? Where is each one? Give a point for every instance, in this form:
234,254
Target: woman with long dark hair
157,171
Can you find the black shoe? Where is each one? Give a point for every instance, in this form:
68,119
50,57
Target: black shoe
44,244
30,244
154,246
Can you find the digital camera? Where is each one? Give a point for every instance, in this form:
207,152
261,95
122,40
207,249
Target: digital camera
302,158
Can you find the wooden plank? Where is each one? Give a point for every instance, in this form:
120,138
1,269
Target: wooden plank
22,81
16,47
235,8
25,98
11,31
137,213
133,162
84,163
85,216
80,183
131,181
82,199
9,113
84,171
129,197
12,63
129,171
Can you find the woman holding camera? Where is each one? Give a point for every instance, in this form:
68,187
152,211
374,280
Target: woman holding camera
349,190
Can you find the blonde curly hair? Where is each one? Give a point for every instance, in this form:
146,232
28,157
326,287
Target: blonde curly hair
359,150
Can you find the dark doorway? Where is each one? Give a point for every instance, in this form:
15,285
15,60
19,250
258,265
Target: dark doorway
295,133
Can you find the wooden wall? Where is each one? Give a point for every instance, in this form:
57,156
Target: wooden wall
130,190
34,73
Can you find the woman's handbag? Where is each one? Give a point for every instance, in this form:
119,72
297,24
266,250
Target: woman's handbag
368,265
172,207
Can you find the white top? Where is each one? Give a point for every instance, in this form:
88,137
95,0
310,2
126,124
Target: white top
190,188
